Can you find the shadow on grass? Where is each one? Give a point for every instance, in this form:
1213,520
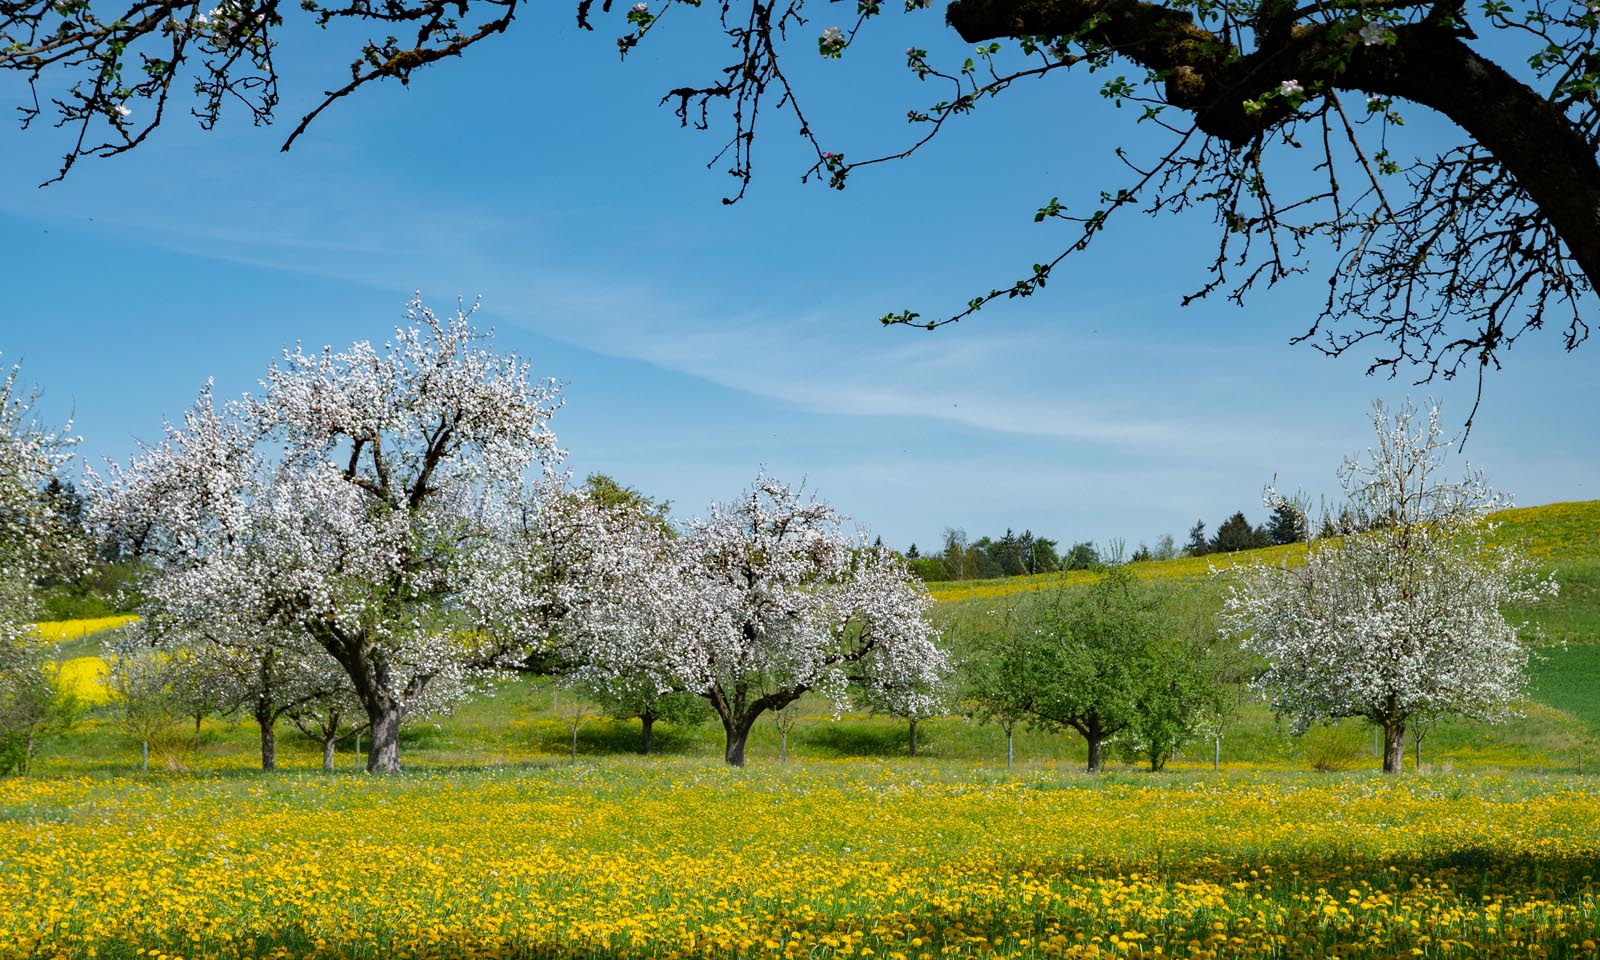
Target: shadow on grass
610,737
852,740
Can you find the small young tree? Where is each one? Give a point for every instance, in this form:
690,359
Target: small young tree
911,704
1405,618
784,720
32,703
998,674
333,716
676,707
155,693
1179,695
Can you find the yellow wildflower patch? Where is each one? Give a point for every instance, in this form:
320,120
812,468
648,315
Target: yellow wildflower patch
678,860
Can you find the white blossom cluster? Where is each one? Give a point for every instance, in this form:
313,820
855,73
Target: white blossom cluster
347,512
1402,620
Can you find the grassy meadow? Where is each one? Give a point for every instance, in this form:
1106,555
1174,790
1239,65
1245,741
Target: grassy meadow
497,843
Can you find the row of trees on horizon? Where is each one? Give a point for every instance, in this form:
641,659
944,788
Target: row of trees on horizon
1016,555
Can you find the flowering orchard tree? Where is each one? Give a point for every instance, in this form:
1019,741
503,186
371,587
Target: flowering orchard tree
1403,620
32,543
352,506
751,609
31,540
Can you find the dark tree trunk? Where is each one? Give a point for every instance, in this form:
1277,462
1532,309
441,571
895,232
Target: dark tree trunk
383,753
269,743
368,671
1096,764
1394,744
649,722
737,733
739,715
913,738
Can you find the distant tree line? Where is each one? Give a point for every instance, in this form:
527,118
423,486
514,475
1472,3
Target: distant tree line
989,558
1016,555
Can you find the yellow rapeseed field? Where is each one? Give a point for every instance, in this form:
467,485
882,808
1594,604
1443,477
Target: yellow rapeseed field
62,631
677,859
84,678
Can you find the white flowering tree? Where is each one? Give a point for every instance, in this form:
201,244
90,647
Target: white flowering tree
352,506
1405,619
762,602
32,544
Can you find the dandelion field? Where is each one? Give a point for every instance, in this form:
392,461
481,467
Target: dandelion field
895,860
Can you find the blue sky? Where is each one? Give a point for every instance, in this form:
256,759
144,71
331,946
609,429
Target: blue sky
700,342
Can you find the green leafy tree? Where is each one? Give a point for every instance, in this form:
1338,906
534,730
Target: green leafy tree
998,672
1042,555
1082,556
1091,655
1180,696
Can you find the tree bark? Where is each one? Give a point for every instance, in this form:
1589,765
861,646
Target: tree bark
737,733
913,744
383,753
738,715
1394,745
328,745
649,722
1095,762
1426,63
269,746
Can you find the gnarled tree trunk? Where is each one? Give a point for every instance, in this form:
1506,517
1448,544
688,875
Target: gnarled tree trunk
738,715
